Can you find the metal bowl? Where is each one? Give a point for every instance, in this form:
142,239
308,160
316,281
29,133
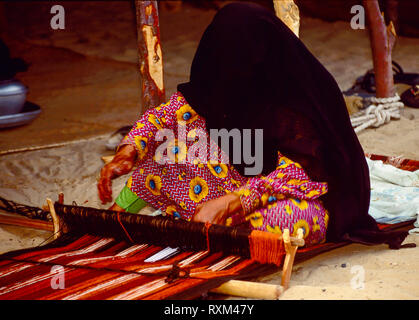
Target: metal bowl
12,96
29,112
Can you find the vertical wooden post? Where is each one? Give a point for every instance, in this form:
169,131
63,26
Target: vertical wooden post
382,40
150,54
288,12
290,251
55,219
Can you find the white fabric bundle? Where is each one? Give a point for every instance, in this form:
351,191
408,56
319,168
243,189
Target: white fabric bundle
394,194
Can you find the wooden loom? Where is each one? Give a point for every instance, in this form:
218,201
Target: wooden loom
154,73
230,287
235,287
86,226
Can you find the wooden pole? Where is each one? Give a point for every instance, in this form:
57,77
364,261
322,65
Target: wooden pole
288,12
55,219
382,40
266,291
247,289
15,220
289,258
150,54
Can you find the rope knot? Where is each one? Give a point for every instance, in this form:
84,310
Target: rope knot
378,113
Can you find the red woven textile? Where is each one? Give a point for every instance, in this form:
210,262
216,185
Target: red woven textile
92,267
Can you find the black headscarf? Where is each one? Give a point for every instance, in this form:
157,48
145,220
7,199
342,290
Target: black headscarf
250,71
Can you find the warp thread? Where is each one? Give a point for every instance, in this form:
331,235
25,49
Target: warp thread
266,247
125,230
207,226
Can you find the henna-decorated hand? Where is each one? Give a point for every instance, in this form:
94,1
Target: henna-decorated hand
121,164
218,210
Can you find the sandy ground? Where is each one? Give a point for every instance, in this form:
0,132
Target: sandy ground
86,80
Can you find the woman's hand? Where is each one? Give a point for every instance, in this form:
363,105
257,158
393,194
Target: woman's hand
121,164
218,210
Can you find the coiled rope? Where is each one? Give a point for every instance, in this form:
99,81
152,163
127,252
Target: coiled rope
381,111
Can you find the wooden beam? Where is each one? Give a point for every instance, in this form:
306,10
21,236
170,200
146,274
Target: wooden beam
248,289
256,290
55,219
289,257
150,54
382,40
16,220
288,12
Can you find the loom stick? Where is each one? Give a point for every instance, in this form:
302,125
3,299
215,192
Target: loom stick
14,220
266,291
248,289
61,198
55,219
289,257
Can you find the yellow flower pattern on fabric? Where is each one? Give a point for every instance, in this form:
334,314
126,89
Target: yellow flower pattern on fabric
236,183
182,176
192,134
172,211
265,198
198,189
295,182
326,219
139,125
256,219
288,209
183,205
276,230
270,199
301,204
219,170
177,150
303,225
284,162
313,193
129,182
155,121
142,146
316,226
186,114
153,184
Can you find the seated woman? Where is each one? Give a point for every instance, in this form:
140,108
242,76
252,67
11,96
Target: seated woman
251,72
